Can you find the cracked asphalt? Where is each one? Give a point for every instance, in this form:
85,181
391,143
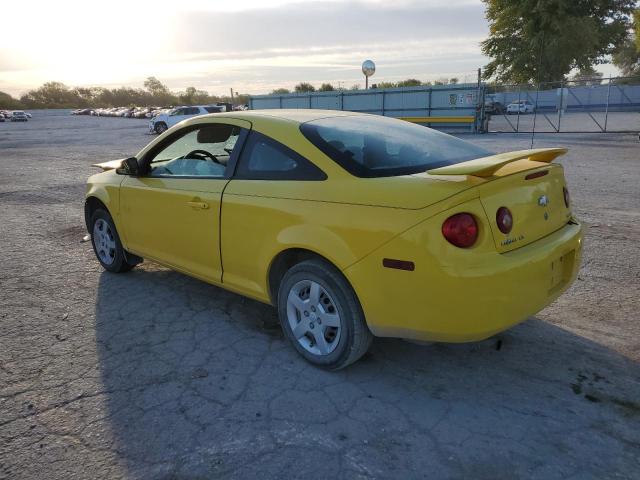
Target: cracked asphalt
154,375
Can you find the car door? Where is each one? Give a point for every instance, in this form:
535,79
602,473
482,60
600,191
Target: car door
177,116
258,207
171,213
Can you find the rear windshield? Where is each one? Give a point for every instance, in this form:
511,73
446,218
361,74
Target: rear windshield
376,146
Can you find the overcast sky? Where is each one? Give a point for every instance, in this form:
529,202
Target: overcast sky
253,46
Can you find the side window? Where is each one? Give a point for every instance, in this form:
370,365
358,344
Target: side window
266,159
203,151
193,111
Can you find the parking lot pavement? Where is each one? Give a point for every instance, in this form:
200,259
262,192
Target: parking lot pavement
152,374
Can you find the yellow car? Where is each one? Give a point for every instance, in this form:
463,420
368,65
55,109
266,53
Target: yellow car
352,225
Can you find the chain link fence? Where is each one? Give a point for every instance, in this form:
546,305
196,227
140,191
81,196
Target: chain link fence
575,106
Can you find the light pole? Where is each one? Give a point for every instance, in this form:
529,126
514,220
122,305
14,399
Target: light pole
368,68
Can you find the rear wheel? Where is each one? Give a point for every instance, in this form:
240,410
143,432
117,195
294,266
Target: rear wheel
320,314
106,243
160,127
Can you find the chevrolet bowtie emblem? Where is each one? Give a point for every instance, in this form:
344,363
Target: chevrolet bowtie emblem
543,201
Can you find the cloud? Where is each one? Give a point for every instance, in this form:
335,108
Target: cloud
252,48
326,24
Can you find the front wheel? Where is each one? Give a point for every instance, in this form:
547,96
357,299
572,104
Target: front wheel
106,243
160,127
320,314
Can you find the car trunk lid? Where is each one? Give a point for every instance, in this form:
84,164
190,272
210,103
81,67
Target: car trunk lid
527,185
535,202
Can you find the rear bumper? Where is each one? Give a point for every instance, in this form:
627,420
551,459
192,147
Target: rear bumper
457,295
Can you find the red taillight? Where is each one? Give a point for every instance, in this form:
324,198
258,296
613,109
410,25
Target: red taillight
567,199
504,219
460,230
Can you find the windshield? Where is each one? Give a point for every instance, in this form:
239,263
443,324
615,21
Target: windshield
376,146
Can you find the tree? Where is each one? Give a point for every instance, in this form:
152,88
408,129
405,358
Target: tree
387,85
543,40
355,86
326,87
280,91
304,87
409,82
453,81
627,56
8,102
587,76
193,96
155,86
51,95
159,91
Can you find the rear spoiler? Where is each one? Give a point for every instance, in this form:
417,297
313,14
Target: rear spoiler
487,166
112,165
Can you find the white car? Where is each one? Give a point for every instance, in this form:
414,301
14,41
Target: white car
521,106
166,120
19,116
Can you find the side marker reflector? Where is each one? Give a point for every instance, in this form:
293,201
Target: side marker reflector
539,174
398,264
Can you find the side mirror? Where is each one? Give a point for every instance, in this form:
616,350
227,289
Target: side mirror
129,166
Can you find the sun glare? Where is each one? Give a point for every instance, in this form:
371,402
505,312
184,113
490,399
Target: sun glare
120,42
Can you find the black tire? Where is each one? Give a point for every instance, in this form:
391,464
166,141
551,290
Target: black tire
160,128
355,337
119,264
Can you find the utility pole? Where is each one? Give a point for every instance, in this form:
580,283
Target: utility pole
231,96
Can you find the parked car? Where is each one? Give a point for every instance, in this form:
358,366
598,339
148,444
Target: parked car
226,107
351,225
493,107
164,121
157,111
521,106
82,111
140,112
19,116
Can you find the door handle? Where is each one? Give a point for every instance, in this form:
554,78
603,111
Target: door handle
200,205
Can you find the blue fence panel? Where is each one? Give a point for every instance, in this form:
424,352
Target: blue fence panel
423,101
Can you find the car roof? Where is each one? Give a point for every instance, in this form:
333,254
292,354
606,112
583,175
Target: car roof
293,115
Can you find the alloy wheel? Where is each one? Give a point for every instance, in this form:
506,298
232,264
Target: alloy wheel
104,241
313,317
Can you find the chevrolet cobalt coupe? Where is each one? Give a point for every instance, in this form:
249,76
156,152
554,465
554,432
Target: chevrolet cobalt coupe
351,225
